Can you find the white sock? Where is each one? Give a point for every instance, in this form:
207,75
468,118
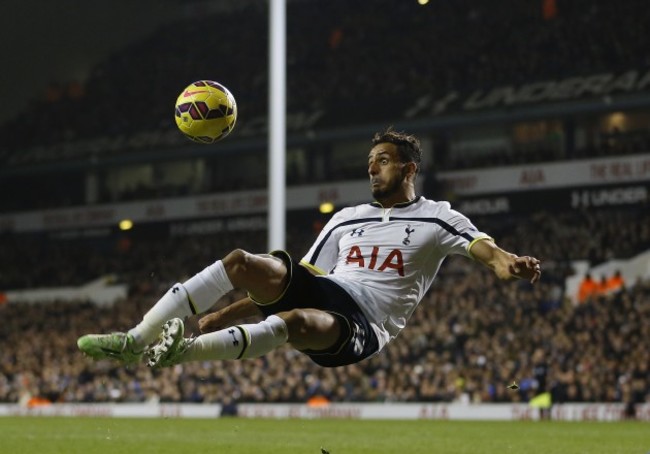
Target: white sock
240,341
205,288
194,296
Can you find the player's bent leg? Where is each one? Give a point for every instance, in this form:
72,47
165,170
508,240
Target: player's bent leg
236,342
194,296
203,290
262,275
305,329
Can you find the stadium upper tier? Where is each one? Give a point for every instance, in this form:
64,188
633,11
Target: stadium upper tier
348,64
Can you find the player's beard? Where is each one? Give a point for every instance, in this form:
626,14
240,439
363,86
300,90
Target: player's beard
382,193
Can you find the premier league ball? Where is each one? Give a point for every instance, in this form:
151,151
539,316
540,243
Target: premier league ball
206,111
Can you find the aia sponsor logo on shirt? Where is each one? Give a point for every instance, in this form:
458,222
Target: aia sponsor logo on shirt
369,258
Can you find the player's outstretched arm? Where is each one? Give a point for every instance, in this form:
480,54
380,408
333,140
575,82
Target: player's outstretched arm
505,264
228,315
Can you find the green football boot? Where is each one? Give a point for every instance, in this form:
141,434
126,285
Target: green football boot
116,346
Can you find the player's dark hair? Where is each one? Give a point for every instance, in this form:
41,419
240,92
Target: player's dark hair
408,146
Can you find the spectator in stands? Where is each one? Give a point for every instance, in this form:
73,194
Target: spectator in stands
588,288
601,286
615,283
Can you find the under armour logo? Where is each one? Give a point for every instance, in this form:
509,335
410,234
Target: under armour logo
406,241
235,342
357,232
176,289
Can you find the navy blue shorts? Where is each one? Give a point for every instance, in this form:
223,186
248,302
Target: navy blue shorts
306,291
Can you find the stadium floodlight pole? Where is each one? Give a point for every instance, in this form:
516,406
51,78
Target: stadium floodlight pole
277,125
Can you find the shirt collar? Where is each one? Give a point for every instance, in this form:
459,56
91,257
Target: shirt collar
397,205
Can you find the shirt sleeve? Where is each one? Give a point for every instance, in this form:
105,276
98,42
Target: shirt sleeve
458,234
323,254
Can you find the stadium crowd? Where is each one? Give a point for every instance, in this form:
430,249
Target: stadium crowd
468,340
335,53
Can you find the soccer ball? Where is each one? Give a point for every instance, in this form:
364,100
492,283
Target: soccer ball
206,111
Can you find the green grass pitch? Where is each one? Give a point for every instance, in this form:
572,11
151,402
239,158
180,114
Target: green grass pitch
45,435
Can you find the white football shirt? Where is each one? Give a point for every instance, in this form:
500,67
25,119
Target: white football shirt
387,258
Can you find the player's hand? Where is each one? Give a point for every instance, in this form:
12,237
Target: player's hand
211,322
528,268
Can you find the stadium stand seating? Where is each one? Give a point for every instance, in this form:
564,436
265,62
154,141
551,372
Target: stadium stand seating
336,63
468,338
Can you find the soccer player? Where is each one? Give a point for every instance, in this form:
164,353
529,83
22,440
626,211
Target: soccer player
344,301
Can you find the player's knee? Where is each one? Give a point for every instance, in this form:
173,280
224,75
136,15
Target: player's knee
236,263
311,328
302,322
298,322
237,259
